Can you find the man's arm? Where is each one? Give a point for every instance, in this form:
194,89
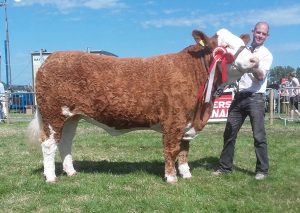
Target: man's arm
258,73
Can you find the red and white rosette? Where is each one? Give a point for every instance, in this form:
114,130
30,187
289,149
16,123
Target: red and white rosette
219,54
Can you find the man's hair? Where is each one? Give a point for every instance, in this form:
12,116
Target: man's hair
262,22
292,74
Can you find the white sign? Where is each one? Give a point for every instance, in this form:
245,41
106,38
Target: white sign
37,60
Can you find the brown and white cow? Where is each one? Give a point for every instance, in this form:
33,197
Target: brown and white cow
124,94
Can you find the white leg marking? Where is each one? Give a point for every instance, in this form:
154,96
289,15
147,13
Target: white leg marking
184,170
49,147
68,166
65,145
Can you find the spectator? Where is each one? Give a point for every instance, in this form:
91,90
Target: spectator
294,94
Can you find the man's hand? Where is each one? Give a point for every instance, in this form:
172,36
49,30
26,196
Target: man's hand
255,62
258,73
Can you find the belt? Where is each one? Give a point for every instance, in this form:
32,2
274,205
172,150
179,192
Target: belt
247,94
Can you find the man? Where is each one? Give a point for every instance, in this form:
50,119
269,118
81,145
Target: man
294,94
249,101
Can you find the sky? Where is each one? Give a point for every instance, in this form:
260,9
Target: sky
139,28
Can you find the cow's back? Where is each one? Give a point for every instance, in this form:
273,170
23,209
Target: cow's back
123,92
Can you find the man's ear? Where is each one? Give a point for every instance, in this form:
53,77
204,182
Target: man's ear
245,37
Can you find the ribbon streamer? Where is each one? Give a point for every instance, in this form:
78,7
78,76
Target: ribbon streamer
220,54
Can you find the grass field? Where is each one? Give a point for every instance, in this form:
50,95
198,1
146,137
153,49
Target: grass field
124,174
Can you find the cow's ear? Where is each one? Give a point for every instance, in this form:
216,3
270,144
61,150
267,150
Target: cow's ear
200,38
245,37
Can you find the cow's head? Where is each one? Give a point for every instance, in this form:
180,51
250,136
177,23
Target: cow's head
232,43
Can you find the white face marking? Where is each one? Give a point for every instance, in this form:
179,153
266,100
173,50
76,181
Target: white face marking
242,62
66,111
229,40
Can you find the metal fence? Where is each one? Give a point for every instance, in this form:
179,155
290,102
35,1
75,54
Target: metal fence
279,104
20,106
17,106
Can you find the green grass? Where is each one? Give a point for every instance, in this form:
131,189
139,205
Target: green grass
124,174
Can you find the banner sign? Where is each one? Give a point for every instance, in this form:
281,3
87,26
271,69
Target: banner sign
221,107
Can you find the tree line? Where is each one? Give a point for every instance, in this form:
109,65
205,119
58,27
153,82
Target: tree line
279,72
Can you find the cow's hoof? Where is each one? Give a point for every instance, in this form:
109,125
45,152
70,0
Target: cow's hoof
51,180
186,175
172,179
71,173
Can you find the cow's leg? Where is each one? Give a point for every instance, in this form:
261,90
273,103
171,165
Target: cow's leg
49,147
171,151
183,167
65,145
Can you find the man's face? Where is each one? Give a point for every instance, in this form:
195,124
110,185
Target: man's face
260,34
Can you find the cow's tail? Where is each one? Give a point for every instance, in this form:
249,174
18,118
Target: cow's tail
34,129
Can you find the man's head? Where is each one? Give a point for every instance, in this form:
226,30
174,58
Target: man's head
260,33
291,75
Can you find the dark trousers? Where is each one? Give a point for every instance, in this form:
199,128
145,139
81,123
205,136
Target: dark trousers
1,111
252,105
294,102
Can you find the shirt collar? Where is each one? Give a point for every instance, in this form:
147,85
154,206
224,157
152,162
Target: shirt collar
256,48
